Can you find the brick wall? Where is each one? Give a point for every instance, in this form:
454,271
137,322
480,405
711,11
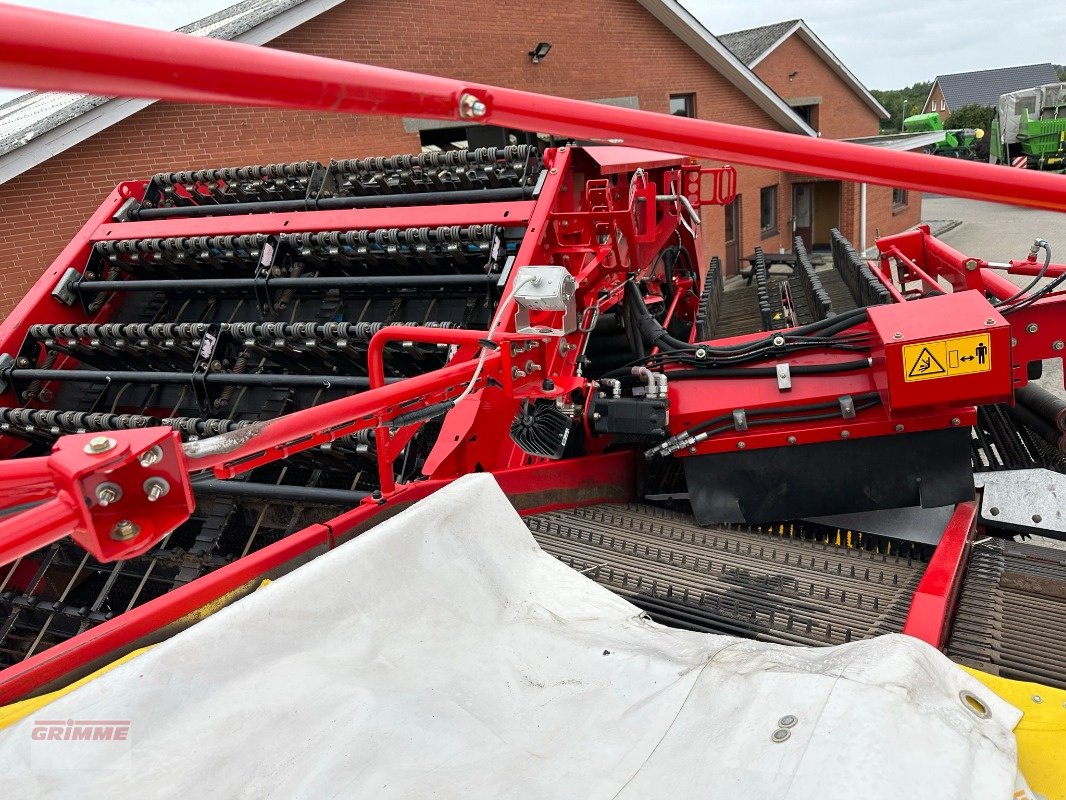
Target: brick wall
883,217
601,48
842,114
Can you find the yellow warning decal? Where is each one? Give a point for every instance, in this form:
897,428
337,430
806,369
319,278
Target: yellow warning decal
946,358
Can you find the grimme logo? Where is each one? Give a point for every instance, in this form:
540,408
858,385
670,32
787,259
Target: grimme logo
82,730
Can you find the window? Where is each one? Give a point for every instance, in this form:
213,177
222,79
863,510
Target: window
899,199
808,114
768,210
943,106
683,105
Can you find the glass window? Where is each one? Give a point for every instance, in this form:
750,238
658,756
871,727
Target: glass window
768,209
899,198
683,105
808,114
943,106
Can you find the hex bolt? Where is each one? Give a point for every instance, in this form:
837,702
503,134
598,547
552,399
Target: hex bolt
597,415
124,529
990,321
741,445
788,721
780,735
971,264
99,444
845,434
692,450
955,421
897,335
154,488
1057,344
900,428
152,456
1031,328
792,440
701,352
108,493
470,106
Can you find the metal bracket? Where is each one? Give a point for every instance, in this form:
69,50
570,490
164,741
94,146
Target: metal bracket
1027,500
7,362
263,270
66,288
784,377
740,419
847,407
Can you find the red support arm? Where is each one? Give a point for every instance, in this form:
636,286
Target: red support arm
44,50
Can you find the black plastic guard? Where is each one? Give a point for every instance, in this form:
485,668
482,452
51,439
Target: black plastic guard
930,469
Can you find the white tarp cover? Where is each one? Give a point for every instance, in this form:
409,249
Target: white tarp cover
1033,100
443,654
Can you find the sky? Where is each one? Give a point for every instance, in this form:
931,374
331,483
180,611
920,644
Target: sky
887,45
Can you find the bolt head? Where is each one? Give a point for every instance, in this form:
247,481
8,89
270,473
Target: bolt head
1031,328
154,488
788,721
741,445
897,335
124,530
955,421
780,735
900,428
971,264
990,321
1057,344
1037,698
99,444
791,439
845,434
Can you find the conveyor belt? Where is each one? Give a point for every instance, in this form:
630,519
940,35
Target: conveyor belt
1011,617
789,587
839,294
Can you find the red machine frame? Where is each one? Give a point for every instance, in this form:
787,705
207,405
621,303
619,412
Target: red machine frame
600,236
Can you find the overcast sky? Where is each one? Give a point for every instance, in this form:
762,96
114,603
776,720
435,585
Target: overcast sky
887,44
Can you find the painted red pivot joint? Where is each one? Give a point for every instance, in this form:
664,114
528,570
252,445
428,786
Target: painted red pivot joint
116,495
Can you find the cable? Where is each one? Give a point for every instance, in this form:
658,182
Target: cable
435,410
1037,244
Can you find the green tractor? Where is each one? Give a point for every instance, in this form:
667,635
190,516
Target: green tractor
1030,129
956,143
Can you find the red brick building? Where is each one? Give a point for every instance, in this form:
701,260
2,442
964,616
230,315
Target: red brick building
61,154
800,69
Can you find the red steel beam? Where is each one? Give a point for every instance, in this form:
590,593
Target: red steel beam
934,600
511,213
45,50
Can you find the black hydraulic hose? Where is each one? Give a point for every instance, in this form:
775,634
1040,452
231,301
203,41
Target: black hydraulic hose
336,203
760,372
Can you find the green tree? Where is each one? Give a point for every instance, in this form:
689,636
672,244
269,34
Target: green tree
897,101
971,117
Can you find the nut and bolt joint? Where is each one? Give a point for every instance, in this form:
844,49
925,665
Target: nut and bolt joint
125,529
100,444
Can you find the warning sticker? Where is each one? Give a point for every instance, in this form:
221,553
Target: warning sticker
947,358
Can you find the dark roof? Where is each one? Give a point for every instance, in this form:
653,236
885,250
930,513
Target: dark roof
28,116
750,44
983,87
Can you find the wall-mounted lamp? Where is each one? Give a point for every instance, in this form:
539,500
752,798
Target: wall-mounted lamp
540,51
792,75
